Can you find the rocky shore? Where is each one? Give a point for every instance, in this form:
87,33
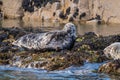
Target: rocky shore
87,48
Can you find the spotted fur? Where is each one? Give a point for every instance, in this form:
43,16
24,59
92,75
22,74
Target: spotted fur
113,51
54,40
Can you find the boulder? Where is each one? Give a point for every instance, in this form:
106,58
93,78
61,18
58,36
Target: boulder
112,67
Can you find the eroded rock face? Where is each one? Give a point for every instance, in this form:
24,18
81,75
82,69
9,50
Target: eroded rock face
108,10
80,9
12,8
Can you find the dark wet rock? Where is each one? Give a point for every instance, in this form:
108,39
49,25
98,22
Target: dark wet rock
68,11
46,60
82,15
55,40
90,35
83,50
75,14
1,3
54,13
71,19
5,58
27,5
111,67
3,36
60,14
97,42
4,44
4,49
98,17
16,33
37,3
92,46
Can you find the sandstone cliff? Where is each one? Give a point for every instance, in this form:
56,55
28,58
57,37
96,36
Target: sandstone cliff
60,10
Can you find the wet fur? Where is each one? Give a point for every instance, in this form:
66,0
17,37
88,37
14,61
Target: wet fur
54,40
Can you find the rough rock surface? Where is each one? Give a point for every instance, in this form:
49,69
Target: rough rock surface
81,10
12,8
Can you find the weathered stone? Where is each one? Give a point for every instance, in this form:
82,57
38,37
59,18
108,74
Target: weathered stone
70,17
60,14
35,16
73,7
46,14
108,10
49,5
27,16
56,6
13,10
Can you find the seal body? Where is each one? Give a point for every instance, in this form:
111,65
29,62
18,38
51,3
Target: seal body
113,50
54,40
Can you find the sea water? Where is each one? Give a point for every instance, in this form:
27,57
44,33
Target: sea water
85,72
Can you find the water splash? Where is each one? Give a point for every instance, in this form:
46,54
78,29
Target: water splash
71,73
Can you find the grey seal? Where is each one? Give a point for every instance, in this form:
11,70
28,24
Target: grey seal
53,40
113,51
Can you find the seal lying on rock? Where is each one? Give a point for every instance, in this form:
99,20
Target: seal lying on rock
54,40
113,50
